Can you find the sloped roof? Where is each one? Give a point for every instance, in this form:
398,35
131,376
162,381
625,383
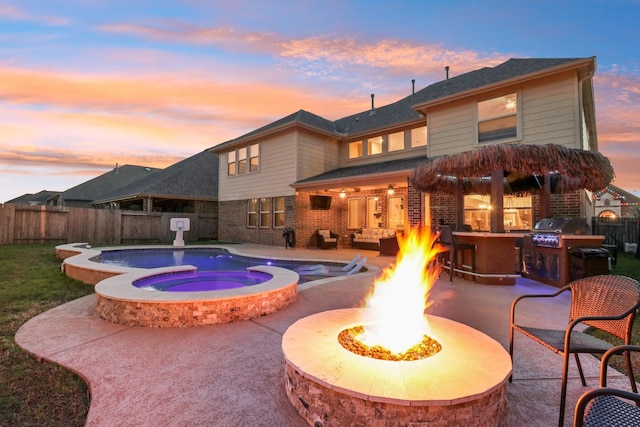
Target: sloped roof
107,182
195,177
361,171
39,198
625,196
299,118
406,109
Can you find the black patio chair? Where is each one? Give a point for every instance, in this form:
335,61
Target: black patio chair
604,406
606,302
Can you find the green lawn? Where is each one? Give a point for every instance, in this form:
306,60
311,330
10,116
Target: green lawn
44,394
33,393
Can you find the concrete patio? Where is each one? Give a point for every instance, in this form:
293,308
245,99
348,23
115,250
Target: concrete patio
233,374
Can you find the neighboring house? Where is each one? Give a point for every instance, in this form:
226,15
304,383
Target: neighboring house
83,194
270,178
189,186
37,199
614,202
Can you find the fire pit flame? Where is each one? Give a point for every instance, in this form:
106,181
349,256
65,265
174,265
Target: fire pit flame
399,298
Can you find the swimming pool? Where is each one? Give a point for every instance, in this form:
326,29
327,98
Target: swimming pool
208,259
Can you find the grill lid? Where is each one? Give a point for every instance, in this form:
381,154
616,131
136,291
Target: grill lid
562,226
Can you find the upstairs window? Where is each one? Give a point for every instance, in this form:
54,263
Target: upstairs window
498,118
355,149
254,158
243,160
396,141
419,137
231,163
374,145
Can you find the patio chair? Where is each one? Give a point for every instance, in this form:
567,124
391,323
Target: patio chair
450,257
603,406
607,303
327,239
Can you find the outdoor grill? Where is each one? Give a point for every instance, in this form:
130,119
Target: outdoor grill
558,250
548,232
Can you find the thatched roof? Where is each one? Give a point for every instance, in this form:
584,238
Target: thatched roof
524,166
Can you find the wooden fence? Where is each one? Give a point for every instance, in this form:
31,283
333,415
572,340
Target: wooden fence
21,224
617,231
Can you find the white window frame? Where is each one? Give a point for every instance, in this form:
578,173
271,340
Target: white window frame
508,113
279,213
265,212
252,212
243,160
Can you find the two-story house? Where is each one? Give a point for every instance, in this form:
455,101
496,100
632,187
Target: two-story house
305,172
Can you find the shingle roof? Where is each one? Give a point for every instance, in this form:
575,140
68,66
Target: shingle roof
39,198
195,177
403,110
107,182
408,164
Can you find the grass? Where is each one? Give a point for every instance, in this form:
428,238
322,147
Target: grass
33,393
45,394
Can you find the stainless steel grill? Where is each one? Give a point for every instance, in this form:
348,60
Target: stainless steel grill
549,231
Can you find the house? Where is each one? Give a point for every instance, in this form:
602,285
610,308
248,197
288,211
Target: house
38,199
83,194
614,202
305,172
189,186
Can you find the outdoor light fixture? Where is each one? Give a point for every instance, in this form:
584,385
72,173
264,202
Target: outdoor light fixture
390,190
343,194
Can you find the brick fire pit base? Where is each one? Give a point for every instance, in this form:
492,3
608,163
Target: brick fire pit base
464,384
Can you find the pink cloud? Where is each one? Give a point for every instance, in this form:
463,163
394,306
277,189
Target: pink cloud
15,14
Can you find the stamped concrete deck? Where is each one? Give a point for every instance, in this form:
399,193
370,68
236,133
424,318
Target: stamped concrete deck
233,374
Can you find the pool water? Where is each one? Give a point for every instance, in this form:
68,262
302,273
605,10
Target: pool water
204,259
201,281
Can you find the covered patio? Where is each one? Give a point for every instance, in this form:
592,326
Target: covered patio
233,374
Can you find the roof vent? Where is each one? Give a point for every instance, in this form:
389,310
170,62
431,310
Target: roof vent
446,70
413,86
372,106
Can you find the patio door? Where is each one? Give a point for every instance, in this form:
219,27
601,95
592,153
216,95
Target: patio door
395,213
374,212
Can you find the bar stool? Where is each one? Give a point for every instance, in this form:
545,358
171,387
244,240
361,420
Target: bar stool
447,239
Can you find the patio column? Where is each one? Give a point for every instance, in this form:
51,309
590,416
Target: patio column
497,201
545,197
459,205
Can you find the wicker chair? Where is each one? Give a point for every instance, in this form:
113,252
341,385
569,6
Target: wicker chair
607,303
327,239
602,406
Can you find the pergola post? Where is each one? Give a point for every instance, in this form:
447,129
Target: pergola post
459,205
545,197
497,201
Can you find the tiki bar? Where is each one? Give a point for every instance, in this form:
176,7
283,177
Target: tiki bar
512,247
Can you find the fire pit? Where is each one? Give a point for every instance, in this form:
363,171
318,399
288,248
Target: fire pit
461,384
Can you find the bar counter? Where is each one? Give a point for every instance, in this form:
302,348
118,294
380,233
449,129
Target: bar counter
497,261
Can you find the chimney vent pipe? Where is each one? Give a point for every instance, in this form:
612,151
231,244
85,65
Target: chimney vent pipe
413,86
372,96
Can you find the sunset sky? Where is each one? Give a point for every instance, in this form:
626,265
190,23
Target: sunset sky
86,84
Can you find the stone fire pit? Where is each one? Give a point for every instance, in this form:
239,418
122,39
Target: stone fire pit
463,384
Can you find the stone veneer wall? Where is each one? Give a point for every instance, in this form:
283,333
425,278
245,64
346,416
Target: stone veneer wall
321,406
178,314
